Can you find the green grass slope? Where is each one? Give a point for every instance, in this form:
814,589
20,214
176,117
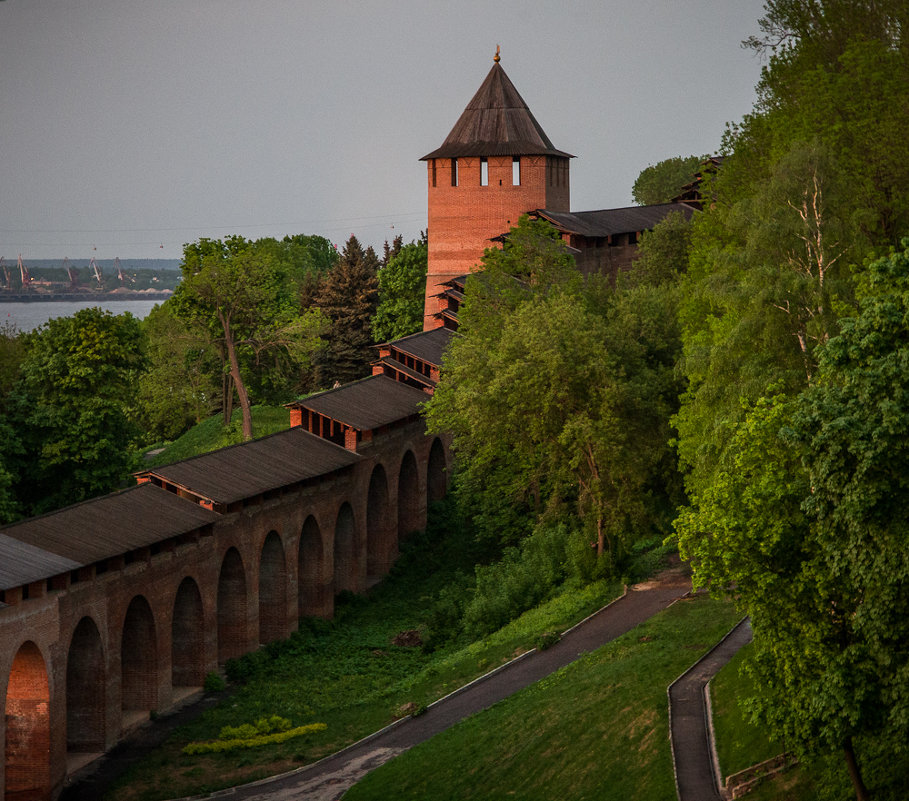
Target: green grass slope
211,434
347,674
598,729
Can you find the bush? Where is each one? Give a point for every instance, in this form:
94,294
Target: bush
547,639
443,623
213,683
645,558
524,577
253,739
243,668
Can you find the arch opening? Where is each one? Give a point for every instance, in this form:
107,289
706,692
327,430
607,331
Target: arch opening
28,730
272,590
409,517
138,660
436,473
381,545
232,609
314,597
346,561
187,637
85,690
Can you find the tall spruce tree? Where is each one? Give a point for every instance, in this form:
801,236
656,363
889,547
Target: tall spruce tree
348,298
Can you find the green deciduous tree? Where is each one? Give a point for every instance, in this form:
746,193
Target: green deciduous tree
402,286
550,398
661,182
816,180
805,518
182,385
246,296
12,352
74,407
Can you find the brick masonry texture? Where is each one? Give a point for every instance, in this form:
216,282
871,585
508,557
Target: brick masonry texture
463,219
81,664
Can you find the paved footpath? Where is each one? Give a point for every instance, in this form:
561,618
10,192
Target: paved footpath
329,779
693,754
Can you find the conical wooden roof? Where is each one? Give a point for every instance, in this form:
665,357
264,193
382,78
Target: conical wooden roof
496,122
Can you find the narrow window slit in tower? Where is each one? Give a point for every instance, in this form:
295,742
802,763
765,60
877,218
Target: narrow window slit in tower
484,172
516,171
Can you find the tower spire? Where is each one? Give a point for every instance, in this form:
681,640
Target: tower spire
497,58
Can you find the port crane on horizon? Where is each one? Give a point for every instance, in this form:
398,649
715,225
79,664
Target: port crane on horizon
73,274
24,273
94,265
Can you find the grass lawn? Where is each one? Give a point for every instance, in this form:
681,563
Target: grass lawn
348,675
739,742
794,785
597,729
211,434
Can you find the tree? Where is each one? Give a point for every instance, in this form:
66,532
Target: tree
74,407
402,286
805,520
182,385
12,352
348,299
549,397
816,181
663,181
247,300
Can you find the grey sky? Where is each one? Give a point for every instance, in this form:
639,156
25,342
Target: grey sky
130,124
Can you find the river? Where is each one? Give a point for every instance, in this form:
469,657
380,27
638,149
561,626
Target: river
28,316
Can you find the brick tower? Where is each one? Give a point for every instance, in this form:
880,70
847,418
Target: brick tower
496,164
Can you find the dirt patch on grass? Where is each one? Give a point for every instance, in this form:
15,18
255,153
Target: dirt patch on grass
676,575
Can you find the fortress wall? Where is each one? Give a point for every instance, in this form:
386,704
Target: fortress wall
111,636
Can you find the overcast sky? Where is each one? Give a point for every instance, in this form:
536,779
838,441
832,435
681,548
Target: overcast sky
128,125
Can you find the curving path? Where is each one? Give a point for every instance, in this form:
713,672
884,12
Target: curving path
329,779
693,755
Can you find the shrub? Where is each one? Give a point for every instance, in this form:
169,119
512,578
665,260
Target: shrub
524,577
547,639
645,558
265,731
443,623
213,683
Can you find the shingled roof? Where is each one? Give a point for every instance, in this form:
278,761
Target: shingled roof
428,346
497,122
244,471
607,222
102,527
366,404
21,563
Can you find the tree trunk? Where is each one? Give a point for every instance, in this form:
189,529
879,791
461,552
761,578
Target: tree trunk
242,394
601,537
861,792
227,398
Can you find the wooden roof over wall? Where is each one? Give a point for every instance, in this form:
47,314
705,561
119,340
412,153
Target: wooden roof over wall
252,468
428,346
103,527
607,222
22,563
366,404
496,122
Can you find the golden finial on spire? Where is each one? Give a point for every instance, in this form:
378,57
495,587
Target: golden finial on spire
497,57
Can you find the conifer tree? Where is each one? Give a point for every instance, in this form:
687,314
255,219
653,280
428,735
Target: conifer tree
348,298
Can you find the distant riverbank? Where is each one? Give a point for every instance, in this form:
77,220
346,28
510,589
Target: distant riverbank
27,315
80,297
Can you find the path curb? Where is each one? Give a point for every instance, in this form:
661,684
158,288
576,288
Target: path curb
708,722
228,791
